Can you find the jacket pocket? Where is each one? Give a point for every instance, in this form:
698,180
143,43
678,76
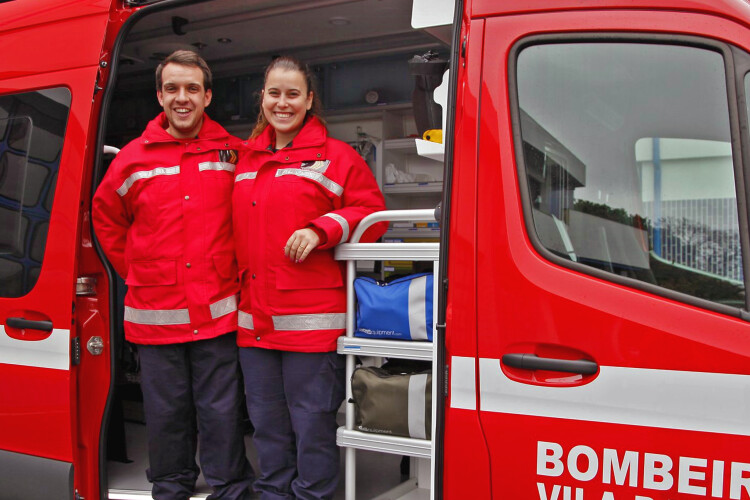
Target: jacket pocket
226,265
152,273
319,270
216,186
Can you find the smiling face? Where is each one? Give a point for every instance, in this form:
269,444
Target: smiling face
183,97
286,100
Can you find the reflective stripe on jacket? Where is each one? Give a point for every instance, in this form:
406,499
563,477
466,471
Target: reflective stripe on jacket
316,182
163,217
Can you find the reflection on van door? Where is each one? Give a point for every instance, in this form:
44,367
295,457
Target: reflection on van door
614,359
45,111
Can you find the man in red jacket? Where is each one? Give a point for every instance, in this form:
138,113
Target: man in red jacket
163,217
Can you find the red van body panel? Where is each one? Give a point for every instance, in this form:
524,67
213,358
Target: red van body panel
52,409
540,441
465,457
732,9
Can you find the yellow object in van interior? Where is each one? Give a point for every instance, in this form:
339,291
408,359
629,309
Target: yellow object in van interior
433,135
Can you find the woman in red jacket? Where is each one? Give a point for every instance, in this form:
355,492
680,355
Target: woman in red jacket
298,193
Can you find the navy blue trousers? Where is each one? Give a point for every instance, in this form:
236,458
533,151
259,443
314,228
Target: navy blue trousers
192,388
292,399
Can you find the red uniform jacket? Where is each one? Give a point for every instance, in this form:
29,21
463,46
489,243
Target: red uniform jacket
316,182
163,217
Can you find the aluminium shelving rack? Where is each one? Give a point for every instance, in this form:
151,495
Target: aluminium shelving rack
347,436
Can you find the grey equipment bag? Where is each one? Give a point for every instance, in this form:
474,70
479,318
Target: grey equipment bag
398,404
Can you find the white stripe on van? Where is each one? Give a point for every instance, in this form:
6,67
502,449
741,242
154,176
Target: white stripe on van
52,352
669,399
463,383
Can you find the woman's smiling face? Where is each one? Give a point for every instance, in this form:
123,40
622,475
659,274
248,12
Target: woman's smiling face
286,100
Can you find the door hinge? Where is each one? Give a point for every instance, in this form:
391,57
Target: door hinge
86,285
97,88
463,52
445,381
75,351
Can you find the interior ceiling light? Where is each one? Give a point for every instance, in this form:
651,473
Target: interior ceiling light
199,45
339,21
178,25
224,40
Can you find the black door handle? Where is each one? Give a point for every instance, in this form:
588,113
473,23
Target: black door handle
534,362
27,324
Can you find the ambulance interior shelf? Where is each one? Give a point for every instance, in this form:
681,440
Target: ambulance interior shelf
352,347
421,157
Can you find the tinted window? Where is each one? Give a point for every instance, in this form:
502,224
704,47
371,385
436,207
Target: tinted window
628,161
32,129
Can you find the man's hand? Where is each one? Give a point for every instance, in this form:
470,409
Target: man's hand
300,244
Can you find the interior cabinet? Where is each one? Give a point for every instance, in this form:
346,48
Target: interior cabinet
394,136
424,176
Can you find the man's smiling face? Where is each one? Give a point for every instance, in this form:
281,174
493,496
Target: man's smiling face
183,97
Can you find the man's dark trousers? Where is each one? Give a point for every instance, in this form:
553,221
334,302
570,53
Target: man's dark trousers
188,386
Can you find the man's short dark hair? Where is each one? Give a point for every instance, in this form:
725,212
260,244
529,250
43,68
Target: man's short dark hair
185,58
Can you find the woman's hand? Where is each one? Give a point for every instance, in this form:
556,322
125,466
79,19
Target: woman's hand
300,244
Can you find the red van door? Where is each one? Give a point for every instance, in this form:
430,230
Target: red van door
50,62
612,249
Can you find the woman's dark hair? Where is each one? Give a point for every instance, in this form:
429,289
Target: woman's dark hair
289,63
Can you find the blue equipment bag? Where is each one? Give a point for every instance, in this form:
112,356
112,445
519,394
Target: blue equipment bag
399,310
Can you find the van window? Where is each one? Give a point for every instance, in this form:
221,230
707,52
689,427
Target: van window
628,161
32,129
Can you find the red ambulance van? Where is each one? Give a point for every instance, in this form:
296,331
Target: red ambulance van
592,336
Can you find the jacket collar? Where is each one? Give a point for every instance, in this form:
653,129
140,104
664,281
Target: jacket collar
156,131
313,134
